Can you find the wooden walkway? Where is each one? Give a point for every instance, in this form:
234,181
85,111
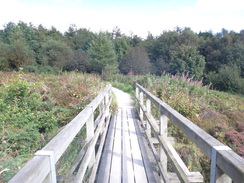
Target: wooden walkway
125,158
116,150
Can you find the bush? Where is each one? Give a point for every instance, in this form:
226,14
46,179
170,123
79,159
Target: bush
41,69
228,79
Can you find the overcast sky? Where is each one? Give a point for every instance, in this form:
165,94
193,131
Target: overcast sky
131,16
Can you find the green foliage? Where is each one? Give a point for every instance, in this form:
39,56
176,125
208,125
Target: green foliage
80,39
136,61
187,59
228,79
219,114
4,49
33,107
56,53
175,51
121,46
41,69
124,87
102,54
78,62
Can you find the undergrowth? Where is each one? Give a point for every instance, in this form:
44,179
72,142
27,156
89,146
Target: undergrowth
218,113
32,110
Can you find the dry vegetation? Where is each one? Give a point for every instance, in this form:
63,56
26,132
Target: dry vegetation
32,110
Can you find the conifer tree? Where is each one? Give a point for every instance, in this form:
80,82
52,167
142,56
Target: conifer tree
102,55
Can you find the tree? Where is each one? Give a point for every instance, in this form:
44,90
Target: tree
80,38
78,62
19,52
234,55
102,54
165,45
4,49
121,46
135,61
227,79
55,53
187,59
188,37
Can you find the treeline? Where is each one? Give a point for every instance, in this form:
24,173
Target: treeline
217,58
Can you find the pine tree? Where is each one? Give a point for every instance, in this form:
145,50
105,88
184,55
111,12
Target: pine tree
102,54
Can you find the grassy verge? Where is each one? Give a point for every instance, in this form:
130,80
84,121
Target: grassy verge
218,113
32,110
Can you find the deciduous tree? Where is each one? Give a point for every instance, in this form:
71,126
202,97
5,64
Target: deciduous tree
135,61
55,53
187,59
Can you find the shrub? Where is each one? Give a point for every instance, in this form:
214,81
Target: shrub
41,69
228,79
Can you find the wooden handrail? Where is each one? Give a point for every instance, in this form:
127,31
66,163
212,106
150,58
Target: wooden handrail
226,160
38,168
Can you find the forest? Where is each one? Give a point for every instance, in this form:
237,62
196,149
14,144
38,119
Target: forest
216,58
48,77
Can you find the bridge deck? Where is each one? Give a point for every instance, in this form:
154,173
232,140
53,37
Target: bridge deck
125,157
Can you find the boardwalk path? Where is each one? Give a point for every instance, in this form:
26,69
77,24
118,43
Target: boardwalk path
125,157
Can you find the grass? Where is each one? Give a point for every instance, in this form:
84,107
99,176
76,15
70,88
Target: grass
218,113
60,97
33,107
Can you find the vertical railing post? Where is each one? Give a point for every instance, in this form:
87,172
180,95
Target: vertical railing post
163,131
90,133
148,108
106,102
141,101
216,174
137,92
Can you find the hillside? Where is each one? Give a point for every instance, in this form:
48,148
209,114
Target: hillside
218,113
32,110
33,107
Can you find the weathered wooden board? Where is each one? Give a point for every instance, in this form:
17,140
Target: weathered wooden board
128,171
139,170
104,167
116,174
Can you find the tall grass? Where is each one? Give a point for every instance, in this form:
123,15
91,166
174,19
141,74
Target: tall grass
33,107
218,113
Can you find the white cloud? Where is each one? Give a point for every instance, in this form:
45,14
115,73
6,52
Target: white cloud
203,15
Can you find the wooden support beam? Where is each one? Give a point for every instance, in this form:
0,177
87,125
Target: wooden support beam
227,160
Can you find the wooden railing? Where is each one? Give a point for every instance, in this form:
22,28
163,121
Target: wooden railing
225,164
41,168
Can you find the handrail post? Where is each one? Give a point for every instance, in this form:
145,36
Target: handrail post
51,178
106,102
137,92
148,107
90,133
216,174
163,131
141,101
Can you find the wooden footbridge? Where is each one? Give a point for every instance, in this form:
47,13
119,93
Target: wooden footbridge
131,145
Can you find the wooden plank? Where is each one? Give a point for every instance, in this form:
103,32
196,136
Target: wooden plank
104,167
139,170
230,162
115,175
161,168
128,172
149,166
84,164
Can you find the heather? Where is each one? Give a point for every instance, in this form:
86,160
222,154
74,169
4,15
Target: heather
218,113
33,108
